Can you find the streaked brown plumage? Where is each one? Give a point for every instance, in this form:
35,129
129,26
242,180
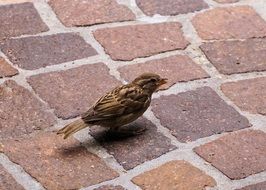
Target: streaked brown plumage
120,106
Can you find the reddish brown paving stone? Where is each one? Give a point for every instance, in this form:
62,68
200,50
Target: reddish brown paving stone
1,147
231,57
73,91
19,19
6,70
249,95
130,42
226,1
178,174
258,186
7,182
20,112
134,150
15,1
170,7
110,187
195,114
41,51
229,23
55,162
81,13
237,155
176,68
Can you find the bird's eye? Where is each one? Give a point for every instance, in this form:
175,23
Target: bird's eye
153,80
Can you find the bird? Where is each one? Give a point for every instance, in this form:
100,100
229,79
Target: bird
119,107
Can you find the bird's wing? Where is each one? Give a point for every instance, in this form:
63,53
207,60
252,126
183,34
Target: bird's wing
121,101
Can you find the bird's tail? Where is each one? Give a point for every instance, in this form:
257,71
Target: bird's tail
72,128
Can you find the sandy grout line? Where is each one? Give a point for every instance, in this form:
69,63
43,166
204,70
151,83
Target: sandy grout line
132,5
94,147
160,128
21,176
223,182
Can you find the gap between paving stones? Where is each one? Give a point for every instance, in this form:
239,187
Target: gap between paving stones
183,146
45,14
42,5
22,177
188,155
196,85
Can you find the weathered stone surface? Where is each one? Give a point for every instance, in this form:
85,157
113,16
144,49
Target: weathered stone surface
19,19
133,150
20,112
82,13
73,91
41,51
58,164
7,182
226,1
130,42
229,23
14,1
176,68
196,114
178,174
249,95
110,187
170,7
1,147
231,57
237,154
6,70
258,186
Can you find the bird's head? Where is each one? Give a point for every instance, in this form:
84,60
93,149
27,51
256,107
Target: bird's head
149,82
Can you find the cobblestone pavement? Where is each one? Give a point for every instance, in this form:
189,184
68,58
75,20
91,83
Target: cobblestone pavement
206,129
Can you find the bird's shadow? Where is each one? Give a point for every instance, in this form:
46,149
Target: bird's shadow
111,136
102,136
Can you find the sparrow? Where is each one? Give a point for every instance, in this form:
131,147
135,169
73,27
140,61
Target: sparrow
119,107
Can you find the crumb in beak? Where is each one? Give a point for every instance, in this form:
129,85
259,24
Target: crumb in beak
163,81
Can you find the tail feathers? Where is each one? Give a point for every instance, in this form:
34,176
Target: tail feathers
72,128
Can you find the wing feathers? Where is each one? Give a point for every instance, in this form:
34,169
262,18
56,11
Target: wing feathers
122,100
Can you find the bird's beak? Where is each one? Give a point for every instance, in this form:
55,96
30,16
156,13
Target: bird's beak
163,81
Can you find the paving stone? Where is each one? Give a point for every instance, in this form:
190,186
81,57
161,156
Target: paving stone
73,91
82,13
7,182
14,1
178,174
258,186
131,151
226,1
177,68
41,51
237,155
249,95
1,147
110,187
229,23
130,42
19,19
231,57
170,7
6,70
20,112
195,114
55,162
